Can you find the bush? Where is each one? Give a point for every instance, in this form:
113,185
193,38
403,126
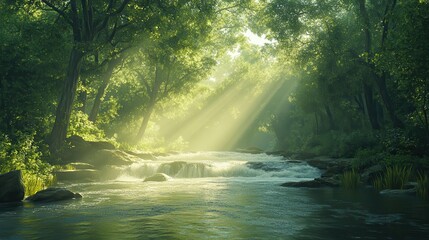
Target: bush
350,180
340,144
366,158
423,186
394,178
23,154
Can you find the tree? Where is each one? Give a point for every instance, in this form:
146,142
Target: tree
92,23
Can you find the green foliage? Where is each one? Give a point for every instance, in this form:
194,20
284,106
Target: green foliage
350,180
395,177
397,141
339,144
367,157
34,183
81,126
423,186
24,154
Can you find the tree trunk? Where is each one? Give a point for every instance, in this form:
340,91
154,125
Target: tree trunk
382,88
102,89
64,108
370,107
381,80
317,123
332,125
83,95
145,122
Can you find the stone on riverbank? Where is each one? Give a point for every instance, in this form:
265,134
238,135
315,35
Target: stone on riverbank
316,183
77,175
11,187
411,191
53,195
158,177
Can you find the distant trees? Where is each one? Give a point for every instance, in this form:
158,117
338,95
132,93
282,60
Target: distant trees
349,61
340,67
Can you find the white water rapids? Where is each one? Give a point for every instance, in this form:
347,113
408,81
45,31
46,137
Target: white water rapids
222,164
217,195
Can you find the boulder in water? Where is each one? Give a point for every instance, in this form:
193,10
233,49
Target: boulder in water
11,187
371,173
53,195
158,177
316,183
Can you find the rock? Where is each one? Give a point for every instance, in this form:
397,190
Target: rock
11,187
77,148
317,163
105,157
370,174
411,191
53,195
101,145
142,155
158,177
252,150
263,166
77,175
81,165
316,183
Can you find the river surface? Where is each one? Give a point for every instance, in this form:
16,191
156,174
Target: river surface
217,195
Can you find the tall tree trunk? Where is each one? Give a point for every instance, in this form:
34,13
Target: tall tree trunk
143,126
83,95
317,123
381,80
382,89
153,93
64,108
367,89
370,108
332,125
102,89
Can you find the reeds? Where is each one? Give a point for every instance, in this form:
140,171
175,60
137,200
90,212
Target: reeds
394,178
34,183
350,180
423,186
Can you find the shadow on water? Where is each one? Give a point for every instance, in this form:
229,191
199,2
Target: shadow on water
365,214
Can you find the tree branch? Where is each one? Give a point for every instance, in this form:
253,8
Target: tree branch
59,11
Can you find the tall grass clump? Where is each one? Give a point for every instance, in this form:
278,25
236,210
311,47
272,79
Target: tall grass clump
423,186
34,183
23,153
395,177
350,180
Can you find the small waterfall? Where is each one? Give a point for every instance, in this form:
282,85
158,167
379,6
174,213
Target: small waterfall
221,164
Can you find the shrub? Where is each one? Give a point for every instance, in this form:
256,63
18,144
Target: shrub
23,154
366,158
423,186
350,180
394,178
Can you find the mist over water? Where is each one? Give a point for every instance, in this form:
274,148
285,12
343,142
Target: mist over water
223,164
217,195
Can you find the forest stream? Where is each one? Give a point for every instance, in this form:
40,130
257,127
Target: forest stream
217,195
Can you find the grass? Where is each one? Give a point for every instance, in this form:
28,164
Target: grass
394,178
423,186
34,183
350,180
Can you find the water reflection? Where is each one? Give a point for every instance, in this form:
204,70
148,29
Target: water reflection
217,208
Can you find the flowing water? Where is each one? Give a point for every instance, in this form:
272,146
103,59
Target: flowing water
217,195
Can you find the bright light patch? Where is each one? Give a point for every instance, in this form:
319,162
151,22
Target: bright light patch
257,40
